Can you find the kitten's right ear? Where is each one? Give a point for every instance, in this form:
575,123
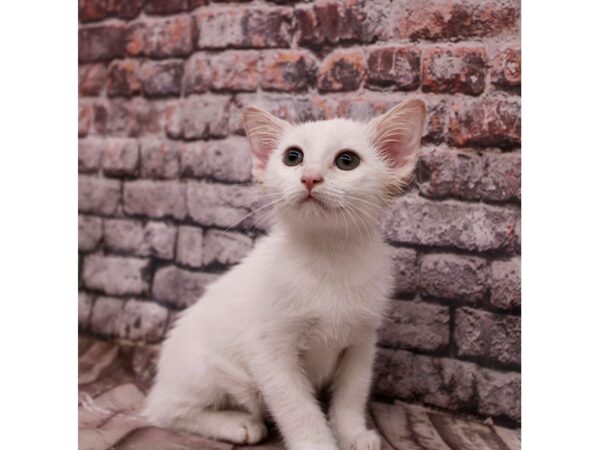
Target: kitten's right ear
264,131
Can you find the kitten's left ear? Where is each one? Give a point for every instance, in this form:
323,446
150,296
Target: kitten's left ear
396,135
264,132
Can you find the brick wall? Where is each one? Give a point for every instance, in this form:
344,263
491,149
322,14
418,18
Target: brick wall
164,172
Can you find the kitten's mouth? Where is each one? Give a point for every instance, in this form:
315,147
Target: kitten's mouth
311,200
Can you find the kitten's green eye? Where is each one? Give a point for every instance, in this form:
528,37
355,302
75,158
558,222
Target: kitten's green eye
293,156
347,160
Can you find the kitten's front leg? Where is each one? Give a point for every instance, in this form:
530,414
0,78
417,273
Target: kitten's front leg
290,396
350,393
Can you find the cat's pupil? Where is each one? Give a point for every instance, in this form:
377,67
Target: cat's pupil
347,160
293,156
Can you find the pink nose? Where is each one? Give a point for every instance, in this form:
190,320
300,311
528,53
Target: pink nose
310,181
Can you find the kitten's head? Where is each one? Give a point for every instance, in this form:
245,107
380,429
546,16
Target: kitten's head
336,173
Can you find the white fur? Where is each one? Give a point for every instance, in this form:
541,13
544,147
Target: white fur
300,313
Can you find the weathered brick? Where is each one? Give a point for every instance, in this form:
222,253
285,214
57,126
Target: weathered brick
89,232
120,156
178,287
454,277
493,121
84,119
499,394
227,160
212,204
225,247
142,239
84,309
454,70
241,27
159,158
506,284
450,173
115,274
506,68
92,78
454,19
105,315
90,10
234,71
155,199
189,246
416,325
287,70
196,78
486,335
132,118
474,227
165,6
333,22
161,78
101,42
160,37
89,155
141,321
98,195
393,374
502,177
394,67
404,262
199,117
342,70
435,122
124,78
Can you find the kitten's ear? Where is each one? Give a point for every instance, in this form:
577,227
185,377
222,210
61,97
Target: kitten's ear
396,135
264,131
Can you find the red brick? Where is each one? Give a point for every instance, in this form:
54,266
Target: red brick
394,67
160,37
499,394
101,42
404,262
502,177
90,10
156,199
342,70
189,246
333,22
474,227
120,157
154,239
141,321
506,68
89,155
124,78
450,173
416,325
159,159
85,119
92,78
506,284
224,160
132,118
435,122
98,195
493,121
165,6
178,287
199,117
225,247
197,74
481,334
161,78
234,71
287,70
454,70
89,232
453,277
116,275
454,19
242,27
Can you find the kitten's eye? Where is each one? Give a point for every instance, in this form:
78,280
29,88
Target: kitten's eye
293,156
347,160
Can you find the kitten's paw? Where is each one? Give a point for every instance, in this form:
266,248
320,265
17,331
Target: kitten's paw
366,440
247,430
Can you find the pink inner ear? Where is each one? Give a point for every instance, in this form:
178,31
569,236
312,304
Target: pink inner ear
264,132
396,142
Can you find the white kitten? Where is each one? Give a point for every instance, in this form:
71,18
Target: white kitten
300,313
